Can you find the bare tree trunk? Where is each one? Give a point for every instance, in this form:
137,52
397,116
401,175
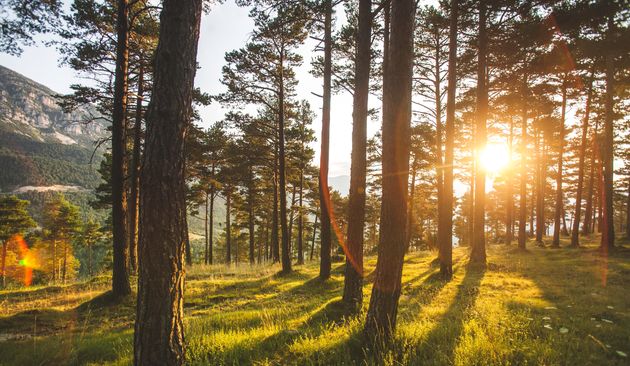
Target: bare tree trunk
588,211
300,238
250,223
559,210
64,266
54,260
4,264
446,247
608,226
509,199
120,266
286,257
411,213
522,218
478,252
324,193
353,279
159,329
313,239
575,237
228,228
134,209
439,163
381,316
275,238
291,220
540,188
205,222
188,249
628,213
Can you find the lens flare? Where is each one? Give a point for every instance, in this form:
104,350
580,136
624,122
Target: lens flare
28,260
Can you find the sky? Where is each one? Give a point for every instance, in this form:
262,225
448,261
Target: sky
226,27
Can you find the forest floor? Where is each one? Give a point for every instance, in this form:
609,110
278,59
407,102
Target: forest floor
540,307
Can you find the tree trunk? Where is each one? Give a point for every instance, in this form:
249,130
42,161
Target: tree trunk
411,213
64,267
478,252
509,199
324,193
134,198
353,279
120,266
588,211
313,239
575,237
205,226
228,228
608,226
628,213
540,188
439,163
211,226
522,218
188,249
250,223
159,329
300,238
559,210
4,264
291,220
54,260
275,239
286,256
446,247
381,315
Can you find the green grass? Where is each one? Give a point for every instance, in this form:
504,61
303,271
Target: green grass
242,316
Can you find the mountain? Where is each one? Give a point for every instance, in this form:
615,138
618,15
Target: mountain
341,184
41,147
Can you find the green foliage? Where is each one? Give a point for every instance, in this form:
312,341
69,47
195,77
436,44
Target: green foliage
14,217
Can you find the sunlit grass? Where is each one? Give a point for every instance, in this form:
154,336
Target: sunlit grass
540,307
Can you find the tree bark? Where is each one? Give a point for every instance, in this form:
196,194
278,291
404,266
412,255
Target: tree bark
275,240
313,239
522,218
120,266
353,279
509,199
478,252
159,333
381,315
540,187
211,223
64,267
286,255
588,211
628,213
250,223
205,223
4,264
575,231
559,210
134,212
410,211
608,225
300,238
324,193
188,249
446,247
228,228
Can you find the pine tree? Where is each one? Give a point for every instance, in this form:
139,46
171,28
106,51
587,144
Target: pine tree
14,220
159,334
381,316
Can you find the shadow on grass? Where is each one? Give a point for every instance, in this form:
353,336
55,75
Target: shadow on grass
92,314
439,346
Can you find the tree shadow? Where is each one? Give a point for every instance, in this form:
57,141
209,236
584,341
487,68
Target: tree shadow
441,342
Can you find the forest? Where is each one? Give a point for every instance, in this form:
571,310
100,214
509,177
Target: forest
487,220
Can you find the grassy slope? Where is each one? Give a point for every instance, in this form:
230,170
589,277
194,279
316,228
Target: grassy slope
252,316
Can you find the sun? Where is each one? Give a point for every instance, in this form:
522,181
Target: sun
494,157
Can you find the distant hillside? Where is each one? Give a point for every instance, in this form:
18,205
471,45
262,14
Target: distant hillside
341,184
41,147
